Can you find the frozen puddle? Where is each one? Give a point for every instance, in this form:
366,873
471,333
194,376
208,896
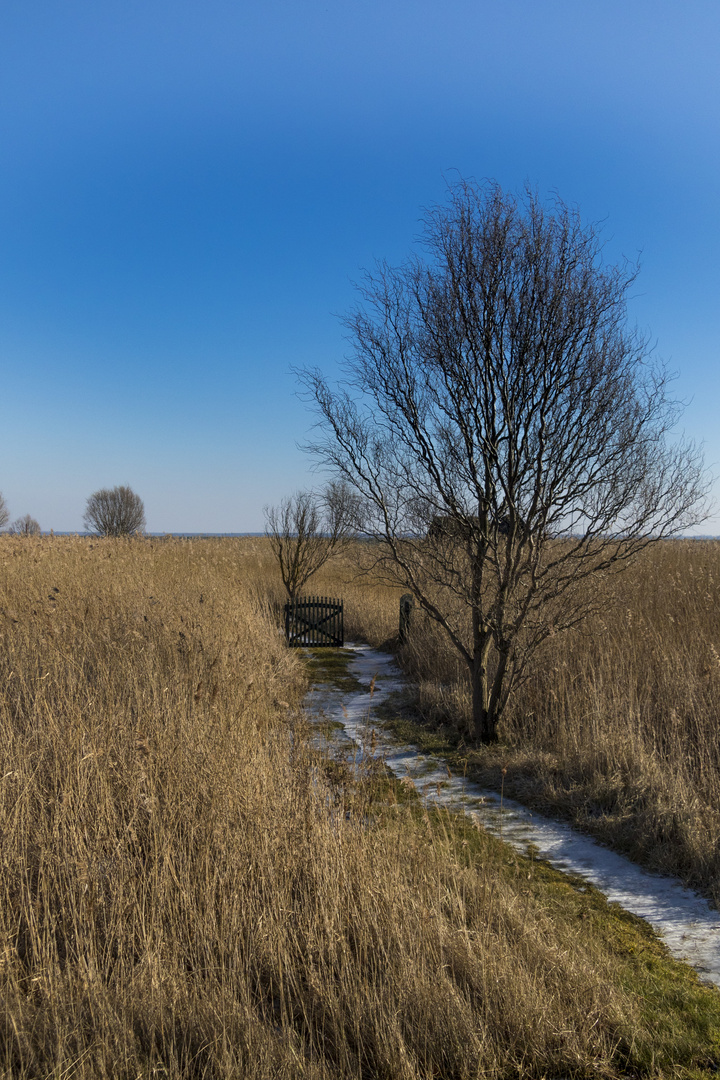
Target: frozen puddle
684,920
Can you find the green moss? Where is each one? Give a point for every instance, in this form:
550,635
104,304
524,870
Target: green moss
327,727
397,715
386,788
329,667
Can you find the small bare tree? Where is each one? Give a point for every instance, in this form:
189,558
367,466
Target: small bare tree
4,512
25,526
507,433
114,511
306,530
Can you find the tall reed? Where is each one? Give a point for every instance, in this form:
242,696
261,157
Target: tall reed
618,724
179,897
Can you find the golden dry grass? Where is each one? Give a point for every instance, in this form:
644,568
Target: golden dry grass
619,724
179,896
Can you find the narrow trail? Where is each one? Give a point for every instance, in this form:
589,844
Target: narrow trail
684,920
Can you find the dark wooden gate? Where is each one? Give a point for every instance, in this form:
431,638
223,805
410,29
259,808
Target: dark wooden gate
314,621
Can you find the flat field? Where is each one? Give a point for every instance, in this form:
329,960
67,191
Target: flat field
188,889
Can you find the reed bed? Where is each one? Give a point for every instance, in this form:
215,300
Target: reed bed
618,726
182,896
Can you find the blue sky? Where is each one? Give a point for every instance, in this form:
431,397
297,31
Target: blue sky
189,189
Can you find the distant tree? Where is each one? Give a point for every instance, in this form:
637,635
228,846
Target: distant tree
4,512
114,511
25,526
307,529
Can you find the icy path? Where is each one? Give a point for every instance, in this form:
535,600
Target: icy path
684,920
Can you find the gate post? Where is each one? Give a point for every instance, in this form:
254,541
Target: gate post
407,603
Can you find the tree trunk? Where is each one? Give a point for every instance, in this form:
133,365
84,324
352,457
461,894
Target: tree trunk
484,718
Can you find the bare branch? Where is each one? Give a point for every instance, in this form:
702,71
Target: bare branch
306,530
25,526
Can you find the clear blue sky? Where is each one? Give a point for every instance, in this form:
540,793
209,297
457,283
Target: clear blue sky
188,190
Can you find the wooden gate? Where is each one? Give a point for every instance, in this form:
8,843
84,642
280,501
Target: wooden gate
314,621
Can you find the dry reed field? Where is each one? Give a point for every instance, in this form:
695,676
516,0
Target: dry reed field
184,895
618,727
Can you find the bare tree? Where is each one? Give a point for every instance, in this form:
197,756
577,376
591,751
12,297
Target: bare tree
306,529
114,511
25,526
4,512
496,387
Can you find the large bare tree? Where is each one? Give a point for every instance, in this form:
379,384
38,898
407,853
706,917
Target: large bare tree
507,431
307,529
114,511
4,512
